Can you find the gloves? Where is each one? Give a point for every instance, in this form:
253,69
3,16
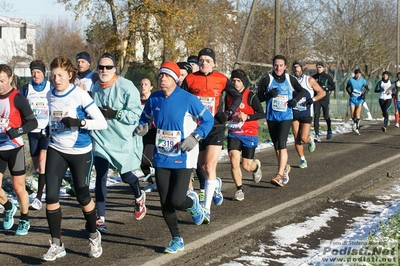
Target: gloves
45,132
292,103
141,130
13,133
108,112
71,122
310,101
189,143
363,96
222,117
272,93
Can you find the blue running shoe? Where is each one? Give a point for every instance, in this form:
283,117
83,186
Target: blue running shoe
23,228
196,211
329,135
207,215
218,198
8,220
175,245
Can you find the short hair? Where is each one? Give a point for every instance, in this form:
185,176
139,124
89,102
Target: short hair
66,64
6,69
279,57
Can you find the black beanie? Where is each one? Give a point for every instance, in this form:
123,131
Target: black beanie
84,55
38,65
207,51
239,74
320,64
108,55
297,62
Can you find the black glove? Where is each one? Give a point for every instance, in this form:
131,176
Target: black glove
13,133
189,143
363,96
222,117
272,93
310,101
141,130
108,112
71,122
292,103
45,132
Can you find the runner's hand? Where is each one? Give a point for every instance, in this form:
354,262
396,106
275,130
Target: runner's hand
189,143
292,103
141,130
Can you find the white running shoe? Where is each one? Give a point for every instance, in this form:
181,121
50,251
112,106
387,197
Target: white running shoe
257,175
36,204
54,252
95,249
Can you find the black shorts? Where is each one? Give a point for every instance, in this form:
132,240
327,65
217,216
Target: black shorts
15,159
303,119
215,137
236,144
37,143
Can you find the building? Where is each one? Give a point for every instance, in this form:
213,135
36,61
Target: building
17,42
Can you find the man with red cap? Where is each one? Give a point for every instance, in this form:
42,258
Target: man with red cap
210,87
181,121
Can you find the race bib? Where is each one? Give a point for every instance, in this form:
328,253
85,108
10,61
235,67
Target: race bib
168,142
56,126
279,103
301,105
356,93
4,125
235,124
209,103
40,110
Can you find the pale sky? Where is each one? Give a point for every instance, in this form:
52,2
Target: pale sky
33,11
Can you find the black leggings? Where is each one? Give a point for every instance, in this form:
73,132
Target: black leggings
57,163
385,105
172,185
279,131
324,104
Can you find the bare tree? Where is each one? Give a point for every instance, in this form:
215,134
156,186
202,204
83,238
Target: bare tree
5,6
59,38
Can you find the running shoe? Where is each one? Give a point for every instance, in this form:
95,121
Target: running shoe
329,134
239,195
8,220
277,181
286,175
311,146
140,207
175,245
257,175
354,127
207,216
54,252
317,139
196,211
397,124
151,187
303,164
36,204
383,129
95,249
23,228
218,198
202,198
101,225
1,208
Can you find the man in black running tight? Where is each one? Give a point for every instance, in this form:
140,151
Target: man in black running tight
326,82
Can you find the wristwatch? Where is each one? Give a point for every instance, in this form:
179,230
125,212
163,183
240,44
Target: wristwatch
20,130
83,122
119,115
196,136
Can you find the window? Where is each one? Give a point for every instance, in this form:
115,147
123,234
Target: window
29,49
23,31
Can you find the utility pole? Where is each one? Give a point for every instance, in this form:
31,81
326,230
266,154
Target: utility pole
277,19
246,34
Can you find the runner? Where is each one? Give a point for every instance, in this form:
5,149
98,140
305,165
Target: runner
303,112
276,89
395,96
85,78
385,88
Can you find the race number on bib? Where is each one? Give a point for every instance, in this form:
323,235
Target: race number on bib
56,126
279,103
168,142
209,103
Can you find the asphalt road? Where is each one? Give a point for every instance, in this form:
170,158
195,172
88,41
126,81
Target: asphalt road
339,168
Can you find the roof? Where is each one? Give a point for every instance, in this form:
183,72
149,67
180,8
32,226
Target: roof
16,23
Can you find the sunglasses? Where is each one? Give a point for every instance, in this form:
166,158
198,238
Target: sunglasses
105,67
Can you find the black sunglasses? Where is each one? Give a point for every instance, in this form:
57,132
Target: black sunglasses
105,67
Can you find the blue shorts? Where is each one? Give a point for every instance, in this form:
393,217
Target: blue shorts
247,141
37,143
355,100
